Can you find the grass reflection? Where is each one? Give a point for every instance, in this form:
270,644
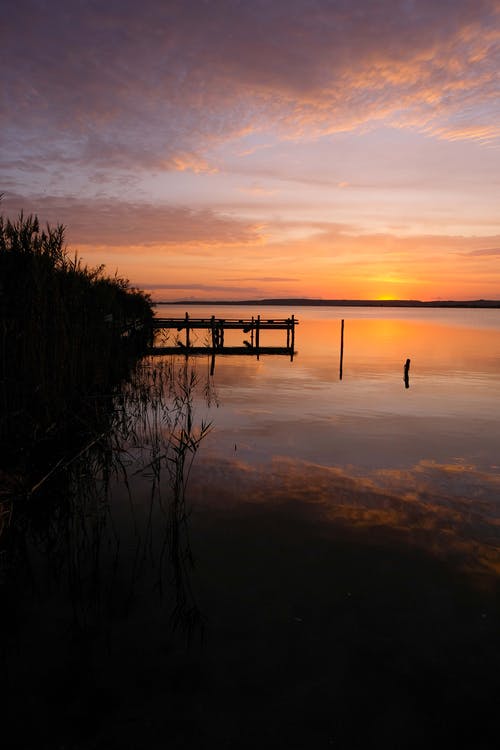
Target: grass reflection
109,521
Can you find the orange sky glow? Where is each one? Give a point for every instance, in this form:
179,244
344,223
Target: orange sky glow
248,150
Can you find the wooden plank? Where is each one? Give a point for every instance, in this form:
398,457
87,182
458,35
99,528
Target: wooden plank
244,325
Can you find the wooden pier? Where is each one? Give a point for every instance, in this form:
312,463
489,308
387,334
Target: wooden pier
216,327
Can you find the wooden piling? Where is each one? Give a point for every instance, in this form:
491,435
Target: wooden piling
187,330
214,335
341,349
407,373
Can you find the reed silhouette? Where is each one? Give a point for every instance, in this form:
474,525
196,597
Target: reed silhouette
100,538
145,439
67,332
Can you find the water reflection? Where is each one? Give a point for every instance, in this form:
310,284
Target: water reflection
449,512
112,520
346,545
421,464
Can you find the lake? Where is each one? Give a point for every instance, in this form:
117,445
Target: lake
272,556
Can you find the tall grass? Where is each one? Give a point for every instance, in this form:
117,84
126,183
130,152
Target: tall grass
66,331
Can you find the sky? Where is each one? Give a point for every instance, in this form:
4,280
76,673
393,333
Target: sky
243,149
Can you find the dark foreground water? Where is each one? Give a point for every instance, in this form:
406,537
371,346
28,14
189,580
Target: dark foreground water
272,556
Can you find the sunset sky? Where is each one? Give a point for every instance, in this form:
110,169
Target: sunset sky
226,149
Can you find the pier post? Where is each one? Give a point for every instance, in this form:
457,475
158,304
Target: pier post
341,348
251,333
257,332
293,333
214,337
407,373
187,331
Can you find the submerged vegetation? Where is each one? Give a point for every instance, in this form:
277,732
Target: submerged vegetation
67,335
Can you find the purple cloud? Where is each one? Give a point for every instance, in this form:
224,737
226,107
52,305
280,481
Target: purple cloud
136,85
199,287
122,223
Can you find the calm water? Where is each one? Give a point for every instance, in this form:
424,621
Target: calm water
320,569
296,426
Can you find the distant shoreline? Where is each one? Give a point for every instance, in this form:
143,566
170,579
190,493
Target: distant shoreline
299,302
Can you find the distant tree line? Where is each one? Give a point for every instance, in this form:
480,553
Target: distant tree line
67,332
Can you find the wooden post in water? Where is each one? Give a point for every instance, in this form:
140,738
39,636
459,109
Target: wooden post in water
187,331
292,343
407,374
251,333
341,348
257,332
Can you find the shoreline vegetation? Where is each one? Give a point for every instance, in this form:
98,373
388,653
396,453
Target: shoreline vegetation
69,334
305,301
84,414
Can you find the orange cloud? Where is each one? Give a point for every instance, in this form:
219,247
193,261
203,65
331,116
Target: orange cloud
189,162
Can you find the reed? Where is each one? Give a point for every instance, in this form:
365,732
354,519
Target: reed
67,332
103,550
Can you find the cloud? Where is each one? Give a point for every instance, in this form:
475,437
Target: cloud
258,190
187,286
187,162
473,132
490,251
271,278
107,223
120,223
157,85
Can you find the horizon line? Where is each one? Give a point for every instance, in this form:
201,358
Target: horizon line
308,301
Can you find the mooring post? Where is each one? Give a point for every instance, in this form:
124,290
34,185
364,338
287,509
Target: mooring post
288,326
257,332
293,333
407,374
251,333
212,326
341,348
187,330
